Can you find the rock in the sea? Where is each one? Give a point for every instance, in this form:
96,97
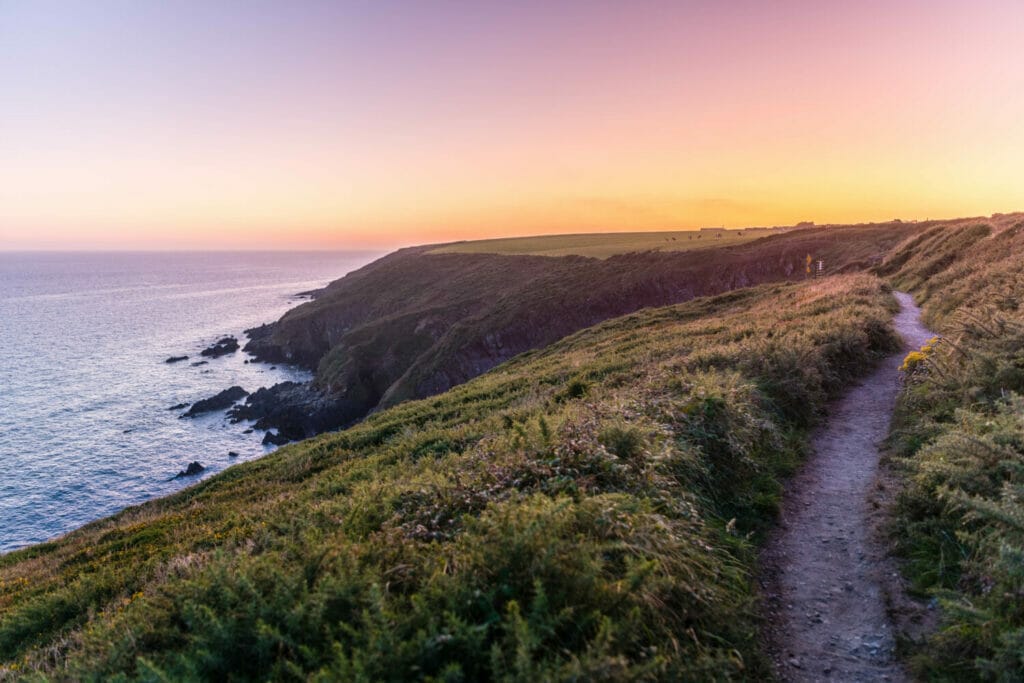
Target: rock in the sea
176,359
232,454
272,439
296,410
222,347
199,362
193,469
221,401
179,406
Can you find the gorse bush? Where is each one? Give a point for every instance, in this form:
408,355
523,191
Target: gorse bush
625,442
965,511
960,437
561,517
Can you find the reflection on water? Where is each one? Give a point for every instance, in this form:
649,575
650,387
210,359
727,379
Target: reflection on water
84,390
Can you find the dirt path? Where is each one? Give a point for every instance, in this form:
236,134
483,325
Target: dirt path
826,600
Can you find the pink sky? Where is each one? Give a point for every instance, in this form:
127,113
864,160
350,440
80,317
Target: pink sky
350,124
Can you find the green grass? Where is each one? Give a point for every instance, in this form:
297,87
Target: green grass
604,245
959,439
564,516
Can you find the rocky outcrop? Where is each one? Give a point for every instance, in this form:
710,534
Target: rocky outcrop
262,345
176,359
221,401
192,470
272,439
297,410
221,347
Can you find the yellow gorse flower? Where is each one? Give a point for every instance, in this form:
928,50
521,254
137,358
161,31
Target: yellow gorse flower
915,358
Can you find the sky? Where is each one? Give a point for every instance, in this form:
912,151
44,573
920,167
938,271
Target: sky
137,124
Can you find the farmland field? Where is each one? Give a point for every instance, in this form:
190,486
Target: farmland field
603,245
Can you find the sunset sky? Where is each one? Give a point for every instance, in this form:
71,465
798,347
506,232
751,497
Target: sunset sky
221,124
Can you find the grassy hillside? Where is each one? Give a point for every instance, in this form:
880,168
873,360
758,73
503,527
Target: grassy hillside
587,511
416,323
960,439
603,245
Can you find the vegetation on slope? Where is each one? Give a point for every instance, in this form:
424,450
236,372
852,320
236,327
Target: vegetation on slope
587,511
605,244
414,323
960,438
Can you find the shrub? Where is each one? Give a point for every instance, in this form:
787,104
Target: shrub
625,442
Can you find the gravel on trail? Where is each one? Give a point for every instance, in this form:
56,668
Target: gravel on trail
823,567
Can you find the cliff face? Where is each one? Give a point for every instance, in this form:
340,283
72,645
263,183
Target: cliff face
414,324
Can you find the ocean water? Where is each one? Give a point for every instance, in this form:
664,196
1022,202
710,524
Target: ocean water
85,428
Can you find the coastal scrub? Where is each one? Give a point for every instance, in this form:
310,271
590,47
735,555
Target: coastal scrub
586,511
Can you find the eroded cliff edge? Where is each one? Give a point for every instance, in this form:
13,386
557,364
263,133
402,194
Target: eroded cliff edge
414,323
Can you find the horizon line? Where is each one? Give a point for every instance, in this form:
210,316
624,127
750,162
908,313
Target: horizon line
408,244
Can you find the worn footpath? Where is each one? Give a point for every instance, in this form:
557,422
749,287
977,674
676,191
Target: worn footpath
824,593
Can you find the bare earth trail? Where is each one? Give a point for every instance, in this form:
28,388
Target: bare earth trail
826,600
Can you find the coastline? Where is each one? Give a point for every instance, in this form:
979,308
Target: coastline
87,430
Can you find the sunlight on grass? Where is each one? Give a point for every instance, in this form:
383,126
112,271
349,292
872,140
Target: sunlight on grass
603,245
588,510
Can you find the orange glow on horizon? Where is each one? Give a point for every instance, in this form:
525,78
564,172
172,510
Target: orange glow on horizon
342,126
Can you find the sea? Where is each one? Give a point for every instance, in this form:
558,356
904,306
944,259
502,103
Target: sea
85,425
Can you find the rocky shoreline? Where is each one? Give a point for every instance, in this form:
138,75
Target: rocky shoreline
286,411
296,410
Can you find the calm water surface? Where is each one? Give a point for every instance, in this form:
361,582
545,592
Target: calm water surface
84,390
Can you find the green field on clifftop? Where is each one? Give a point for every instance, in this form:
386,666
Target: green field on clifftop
603,245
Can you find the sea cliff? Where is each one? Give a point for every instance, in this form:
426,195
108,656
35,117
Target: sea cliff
418,321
